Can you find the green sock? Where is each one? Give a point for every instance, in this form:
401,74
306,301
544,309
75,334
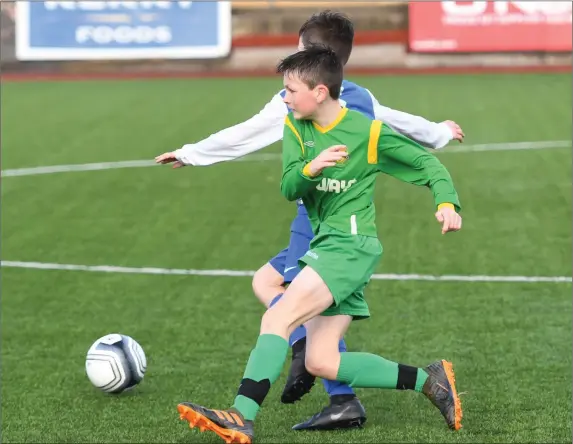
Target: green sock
263,368
365,370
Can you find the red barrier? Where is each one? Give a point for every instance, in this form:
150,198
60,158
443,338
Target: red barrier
148,75
483,26
360,38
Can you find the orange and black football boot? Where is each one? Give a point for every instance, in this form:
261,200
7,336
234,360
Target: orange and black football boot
228,424
440,388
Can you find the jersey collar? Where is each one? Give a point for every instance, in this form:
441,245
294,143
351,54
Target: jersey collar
325,129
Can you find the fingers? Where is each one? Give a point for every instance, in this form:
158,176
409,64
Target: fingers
445,225
333,155
456,224
459,135
443,218
337,148
457,132
450,220
337,157
317,165
165,158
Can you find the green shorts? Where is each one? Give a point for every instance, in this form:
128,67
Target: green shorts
345,262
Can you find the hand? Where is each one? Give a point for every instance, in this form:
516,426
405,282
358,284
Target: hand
457,133
450,220
169,158
328,158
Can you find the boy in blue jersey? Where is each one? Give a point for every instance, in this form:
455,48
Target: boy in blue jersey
336,31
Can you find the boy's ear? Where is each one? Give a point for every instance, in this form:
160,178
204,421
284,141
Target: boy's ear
322,93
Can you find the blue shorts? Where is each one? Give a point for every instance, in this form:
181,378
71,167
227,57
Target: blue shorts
286,262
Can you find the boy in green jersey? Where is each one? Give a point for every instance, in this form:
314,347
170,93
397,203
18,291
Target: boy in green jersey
331,157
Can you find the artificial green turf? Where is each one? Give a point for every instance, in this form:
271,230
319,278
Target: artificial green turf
510,342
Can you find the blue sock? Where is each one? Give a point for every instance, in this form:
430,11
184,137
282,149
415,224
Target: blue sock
334,388
296,335
275,300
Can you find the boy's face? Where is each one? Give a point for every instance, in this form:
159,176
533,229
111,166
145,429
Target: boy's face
300,98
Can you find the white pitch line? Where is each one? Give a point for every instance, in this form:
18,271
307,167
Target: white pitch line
264,157
34,171
509,146
98,166
242,273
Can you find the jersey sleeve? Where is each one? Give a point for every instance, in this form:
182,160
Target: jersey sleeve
427,133
402,158
258,132
296,182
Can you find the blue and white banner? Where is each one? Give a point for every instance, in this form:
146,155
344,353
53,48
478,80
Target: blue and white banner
121,30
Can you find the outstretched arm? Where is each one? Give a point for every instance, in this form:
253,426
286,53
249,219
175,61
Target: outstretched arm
260,131
423,131
404,159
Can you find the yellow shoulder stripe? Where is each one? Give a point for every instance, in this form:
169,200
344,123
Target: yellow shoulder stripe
375,129
293,129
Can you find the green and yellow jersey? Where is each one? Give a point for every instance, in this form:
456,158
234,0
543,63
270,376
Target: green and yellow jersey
342,196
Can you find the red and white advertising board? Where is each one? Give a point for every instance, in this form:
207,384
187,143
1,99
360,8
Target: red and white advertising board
489,26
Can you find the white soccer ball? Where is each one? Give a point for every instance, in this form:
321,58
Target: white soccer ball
115,363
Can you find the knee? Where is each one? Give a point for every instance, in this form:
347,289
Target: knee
267,284
259,281
321,365
274,322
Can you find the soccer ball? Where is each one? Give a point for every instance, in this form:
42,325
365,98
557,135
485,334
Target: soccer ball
115,363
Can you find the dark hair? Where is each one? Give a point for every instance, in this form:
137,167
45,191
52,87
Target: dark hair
329,28
316,65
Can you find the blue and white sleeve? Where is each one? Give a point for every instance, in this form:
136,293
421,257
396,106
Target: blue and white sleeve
258,132
426,133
